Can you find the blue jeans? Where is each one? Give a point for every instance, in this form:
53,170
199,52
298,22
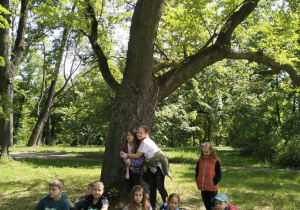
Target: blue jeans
157,181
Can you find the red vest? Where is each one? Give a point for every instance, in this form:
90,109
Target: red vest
206,174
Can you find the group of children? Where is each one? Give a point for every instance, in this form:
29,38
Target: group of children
140,147
142,157
93,200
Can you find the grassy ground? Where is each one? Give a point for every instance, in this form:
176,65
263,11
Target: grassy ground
25,181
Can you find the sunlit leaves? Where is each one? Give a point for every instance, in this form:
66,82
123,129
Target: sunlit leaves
3,21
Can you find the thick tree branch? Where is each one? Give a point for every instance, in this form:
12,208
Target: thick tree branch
164,65
259,57
234,20
19,47
188,68
207,55
102,60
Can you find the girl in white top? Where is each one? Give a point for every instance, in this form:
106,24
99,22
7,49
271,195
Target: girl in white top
156,177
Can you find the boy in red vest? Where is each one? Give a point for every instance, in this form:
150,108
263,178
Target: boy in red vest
221,203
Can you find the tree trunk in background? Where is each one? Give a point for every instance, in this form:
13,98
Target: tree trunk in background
8,72
36,135
87,137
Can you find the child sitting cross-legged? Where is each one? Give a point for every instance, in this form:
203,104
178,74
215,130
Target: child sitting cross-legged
221,203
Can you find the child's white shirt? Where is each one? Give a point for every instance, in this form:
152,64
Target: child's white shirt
149,148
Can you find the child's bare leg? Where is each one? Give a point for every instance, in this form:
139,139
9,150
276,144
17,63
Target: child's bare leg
127,163
127,172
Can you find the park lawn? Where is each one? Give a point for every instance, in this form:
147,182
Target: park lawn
25,181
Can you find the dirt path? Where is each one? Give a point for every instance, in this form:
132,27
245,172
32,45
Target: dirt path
65,155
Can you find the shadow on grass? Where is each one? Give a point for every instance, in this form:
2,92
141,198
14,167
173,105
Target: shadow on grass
73,163
88,154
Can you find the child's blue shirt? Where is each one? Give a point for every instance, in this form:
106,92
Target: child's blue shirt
165,207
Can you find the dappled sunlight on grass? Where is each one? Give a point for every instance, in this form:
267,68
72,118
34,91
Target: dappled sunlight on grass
59,163
24,181
57,149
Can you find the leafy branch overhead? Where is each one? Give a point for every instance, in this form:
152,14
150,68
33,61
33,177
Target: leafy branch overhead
220,45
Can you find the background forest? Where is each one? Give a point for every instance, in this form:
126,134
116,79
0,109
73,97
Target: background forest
228,103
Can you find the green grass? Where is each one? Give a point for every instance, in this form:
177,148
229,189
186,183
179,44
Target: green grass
228,157
25,181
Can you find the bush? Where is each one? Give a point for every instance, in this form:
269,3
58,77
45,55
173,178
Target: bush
287,153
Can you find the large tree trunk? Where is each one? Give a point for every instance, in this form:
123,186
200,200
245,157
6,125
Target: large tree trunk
8,72
136,99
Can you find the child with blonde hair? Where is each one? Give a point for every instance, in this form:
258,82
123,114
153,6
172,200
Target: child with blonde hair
96,200
208,174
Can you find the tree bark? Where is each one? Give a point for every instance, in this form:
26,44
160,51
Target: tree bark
8,71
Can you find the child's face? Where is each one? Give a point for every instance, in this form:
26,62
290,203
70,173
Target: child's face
98,190
205,151
173,203
141,134
138,196
130,138
89,191
220,205
54,193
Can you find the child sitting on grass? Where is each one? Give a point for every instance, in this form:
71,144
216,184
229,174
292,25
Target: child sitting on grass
55,200
221,203
172,203
97,200
76,205
137,199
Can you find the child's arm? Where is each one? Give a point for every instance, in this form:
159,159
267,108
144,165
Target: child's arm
218,175
131,156
134,156
104,207
71,204
197,169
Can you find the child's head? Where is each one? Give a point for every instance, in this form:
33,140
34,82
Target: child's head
142,132
221,201
131,136
98,189
173,201
132,139
137,196
55,188
89,190
207,149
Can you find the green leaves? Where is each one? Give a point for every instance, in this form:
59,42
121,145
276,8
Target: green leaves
3,22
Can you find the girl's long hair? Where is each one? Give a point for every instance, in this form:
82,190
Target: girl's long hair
213,153
130,199
136,142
